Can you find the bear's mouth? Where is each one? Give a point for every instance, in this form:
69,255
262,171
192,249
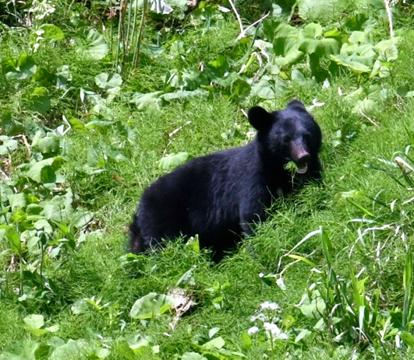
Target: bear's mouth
302,168
300,156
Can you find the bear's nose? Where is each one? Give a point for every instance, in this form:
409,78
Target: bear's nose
299,153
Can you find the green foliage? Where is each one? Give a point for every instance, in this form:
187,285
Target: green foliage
88,119
150,306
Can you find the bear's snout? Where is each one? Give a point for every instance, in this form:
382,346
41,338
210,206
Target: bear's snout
300,155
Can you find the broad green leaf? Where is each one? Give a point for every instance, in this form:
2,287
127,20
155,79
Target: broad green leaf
148,100
322,47
43,225
72,350
76,124
97,123
150,306
213,331
25,68
81,218
59,208
44,171
219,64
246,341
333,33
17,201
34,321
52,32
240,88
312,307
364,107
193,243
14,240
49,144
10,126
387,50
408,338
350,63
27,351
297,75
171,161
187,278
216,343
312,31
96,47
183,94
358,291
7,144
292,57
34,209
138,344
320,325
39,100
52,329
286,39
302,334
104,81
358,37
192,356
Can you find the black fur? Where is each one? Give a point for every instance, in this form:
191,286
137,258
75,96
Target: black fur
219,196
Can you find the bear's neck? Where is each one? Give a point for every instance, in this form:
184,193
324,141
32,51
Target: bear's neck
272,168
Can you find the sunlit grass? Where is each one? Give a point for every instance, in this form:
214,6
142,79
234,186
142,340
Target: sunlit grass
361,256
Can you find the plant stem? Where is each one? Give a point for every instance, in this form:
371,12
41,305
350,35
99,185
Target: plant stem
389,15
137,47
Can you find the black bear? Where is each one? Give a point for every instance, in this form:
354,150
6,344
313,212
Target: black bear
219,196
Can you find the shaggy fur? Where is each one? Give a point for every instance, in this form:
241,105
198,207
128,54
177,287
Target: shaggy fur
219,196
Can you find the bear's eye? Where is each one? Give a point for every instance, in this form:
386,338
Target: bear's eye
286,138
307,138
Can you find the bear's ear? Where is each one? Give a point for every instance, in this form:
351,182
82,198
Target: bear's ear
296,104
259,118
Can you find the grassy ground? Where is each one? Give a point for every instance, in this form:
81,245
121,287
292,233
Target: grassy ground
356,194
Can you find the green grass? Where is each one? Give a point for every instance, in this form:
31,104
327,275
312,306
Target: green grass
226,294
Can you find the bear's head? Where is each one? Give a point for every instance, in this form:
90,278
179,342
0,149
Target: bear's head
288,135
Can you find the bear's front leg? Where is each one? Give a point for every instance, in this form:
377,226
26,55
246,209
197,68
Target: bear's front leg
252,211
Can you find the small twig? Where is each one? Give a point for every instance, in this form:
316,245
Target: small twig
4,175
26,144
373,122
237,16
389,15
173,133
243,33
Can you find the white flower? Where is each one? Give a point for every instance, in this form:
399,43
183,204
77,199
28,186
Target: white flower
259,316
268,305
253,330
326,84
274,331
